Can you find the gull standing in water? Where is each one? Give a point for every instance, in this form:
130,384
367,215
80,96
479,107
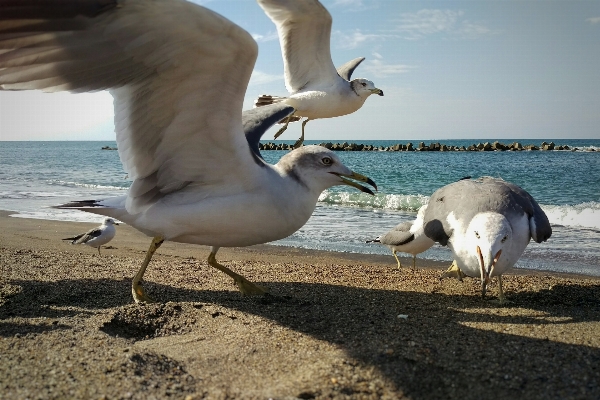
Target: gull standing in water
317,89
178,73
407,237
487,223
97,237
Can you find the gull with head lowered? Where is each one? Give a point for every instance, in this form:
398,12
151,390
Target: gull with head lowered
317,89
178,73
487,223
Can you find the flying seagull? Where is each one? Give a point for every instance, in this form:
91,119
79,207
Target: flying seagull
317,89
407,237
97,237
178,73
487,223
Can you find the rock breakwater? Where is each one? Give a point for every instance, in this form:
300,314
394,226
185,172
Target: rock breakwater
422,146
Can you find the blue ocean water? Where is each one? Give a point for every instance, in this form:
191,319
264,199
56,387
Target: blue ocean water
37,175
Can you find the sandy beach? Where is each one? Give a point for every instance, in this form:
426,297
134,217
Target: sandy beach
335,325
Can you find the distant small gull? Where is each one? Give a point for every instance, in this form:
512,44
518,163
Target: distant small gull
97,237
178,73
317,89
487,223
407,237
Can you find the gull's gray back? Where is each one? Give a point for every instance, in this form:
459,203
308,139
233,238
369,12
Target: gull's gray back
399,235
466,198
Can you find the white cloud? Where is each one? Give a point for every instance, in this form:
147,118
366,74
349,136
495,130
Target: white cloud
265,38
380,69
425,22
594,20
358,38
429,22
260,78
470,29
355,5
352,3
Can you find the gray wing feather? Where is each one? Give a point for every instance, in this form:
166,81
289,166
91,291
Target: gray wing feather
397,238
346,70
403,227
86,237
538,220
74,238
258,120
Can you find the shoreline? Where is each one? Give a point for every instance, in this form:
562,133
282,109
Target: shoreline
141,242
334,326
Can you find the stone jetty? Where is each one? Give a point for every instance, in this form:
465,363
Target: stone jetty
422,146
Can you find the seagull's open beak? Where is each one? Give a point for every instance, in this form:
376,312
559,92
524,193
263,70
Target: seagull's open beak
377,91
485,275
358,177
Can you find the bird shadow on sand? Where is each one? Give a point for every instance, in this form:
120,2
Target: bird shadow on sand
425,343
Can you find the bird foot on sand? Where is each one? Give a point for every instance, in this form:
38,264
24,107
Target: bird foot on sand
248,288
453,272
140,295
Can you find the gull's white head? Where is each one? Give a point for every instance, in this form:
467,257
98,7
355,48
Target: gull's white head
364,87
489,233
318,168
109,221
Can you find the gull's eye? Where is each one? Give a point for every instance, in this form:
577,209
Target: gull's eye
504,239
364,84
327,161
477,235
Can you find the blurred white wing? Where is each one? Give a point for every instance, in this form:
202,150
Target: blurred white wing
304,28
178,73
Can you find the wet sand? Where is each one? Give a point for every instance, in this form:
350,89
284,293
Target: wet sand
334,325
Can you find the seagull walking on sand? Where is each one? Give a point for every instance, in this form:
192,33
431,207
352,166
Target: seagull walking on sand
407,237
97,237
487,223
178,73
317,89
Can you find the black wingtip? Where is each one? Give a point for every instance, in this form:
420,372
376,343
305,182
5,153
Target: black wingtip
78,204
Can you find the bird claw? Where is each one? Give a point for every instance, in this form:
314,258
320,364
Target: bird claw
140,295
248,288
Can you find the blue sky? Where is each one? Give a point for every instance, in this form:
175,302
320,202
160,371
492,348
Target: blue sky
449,69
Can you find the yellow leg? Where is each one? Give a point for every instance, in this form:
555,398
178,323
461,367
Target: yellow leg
397,260
453,272
138,292
287,121
501,298
246,287
301,140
